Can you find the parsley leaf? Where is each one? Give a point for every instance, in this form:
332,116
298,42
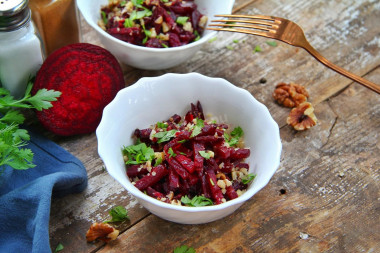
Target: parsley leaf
138,153
184,249
171,153
181,20
212,39
272,43
198,37
162,125
137,3
257,49
158,161
58,248
128,23
205,154
41,100
236,134
104,17
196,201
165,135
197,128
248,178
119,213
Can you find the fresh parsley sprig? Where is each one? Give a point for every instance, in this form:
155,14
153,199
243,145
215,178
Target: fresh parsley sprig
12,138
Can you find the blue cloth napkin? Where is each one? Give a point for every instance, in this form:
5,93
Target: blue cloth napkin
25,196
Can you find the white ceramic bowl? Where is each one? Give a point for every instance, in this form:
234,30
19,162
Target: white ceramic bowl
154,99
151,58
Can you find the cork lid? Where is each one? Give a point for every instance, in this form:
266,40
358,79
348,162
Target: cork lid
14,14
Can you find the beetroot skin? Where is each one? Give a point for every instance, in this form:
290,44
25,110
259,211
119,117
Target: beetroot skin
88,77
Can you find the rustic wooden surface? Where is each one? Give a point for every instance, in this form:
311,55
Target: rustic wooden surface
327,185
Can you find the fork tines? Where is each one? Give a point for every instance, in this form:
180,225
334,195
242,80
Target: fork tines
256,24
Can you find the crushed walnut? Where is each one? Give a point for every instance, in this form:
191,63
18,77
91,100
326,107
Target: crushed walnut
302,117
290,95
101,231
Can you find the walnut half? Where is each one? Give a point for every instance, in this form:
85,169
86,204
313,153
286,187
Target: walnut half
290,95
101,231
302,117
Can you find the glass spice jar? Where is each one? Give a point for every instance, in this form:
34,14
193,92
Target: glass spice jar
57,22
21,52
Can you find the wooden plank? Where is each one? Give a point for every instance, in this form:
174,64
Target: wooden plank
326,188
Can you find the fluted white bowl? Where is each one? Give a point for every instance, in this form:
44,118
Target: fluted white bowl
151,58
154,99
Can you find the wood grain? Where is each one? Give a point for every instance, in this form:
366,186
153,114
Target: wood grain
327,185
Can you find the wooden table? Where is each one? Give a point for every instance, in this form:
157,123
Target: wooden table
324,196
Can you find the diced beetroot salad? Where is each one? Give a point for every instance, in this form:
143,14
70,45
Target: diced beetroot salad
153,23
189,161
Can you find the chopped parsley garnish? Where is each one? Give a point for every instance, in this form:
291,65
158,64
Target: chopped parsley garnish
138,153
140,14
205,154
119,213
257,49
158,161
58,248
272,43
165,135
162,125
248,178
137,15
197,128
212,39
235,41
171,153
137,3
128,23
104,17
197,35
236,134
184,249
196,201
181,20
230,47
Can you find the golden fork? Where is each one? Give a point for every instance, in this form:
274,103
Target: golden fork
283,30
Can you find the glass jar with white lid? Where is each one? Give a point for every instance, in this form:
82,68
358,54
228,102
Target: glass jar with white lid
21,50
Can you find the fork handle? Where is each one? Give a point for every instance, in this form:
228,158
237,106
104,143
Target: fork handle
323,60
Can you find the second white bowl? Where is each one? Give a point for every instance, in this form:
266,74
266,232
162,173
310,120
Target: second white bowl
151,58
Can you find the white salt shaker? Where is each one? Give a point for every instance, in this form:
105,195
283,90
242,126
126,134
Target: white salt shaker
21,51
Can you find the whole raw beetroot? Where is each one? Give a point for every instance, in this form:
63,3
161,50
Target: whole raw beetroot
88,77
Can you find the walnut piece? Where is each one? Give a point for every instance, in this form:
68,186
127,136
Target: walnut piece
101,231
290,95
302,117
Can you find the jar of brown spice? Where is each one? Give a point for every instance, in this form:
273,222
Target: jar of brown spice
57,22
